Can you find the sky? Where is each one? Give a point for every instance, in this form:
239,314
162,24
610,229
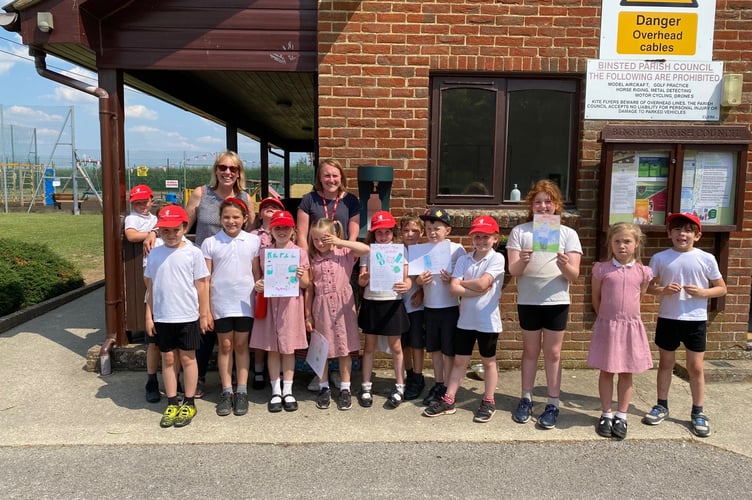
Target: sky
155,132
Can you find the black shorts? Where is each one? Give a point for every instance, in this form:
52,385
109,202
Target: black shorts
239,324
465,341
415,337
534,318
670,332
183,336
383,317
441,328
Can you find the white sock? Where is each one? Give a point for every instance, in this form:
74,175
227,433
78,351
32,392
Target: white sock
344,386
276,387
324,384
366,386
621,415
608,415
553,401
527,395
400,388
286,387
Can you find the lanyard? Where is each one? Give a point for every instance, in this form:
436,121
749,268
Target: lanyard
326,209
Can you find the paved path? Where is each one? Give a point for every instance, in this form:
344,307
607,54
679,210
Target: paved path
61,424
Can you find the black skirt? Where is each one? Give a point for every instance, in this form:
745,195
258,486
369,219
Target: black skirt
383,317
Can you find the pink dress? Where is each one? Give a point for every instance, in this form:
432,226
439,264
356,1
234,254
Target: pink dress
333,306
283,328
619,343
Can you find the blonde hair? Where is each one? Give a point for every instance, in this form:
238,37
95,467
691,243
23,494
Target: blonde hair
625,227
327,225
551,189
240,181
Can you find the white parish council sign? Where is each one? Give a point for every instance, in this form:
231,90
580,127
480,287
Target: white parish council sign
653,90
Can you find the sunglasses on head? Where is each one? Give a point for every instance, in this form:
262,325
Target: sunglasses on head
231,168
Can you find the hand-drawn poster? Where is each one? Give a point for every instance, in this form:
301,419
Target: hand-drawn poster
280,268
429,257
546,232
386,265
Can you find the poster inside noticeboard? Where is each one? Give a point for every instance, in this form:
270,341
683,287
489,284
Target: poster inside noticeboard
639,187
708,186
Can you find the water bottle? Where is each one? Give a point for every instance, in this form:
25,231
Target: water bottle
515,194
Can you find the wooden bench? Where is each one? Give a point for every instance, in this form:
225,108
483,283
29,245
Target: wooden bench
59,198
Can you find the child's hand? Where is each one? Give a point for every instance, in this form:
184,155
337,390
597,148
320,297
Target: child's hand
401,287
298,273
672,288
562,259
206,323
330,239
259,286
425,278
364,277
150,331
694,290
525,256
446,277
309,324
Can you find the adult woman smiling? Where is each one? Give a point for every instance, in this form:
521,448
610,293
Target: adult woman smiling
228,181
329,200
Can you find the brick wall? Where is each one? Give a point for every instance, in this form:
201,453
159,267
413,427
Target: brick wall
375,58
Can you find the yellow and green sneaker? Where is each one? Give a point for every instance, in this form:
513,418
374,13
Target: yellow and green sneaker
185,415
170,415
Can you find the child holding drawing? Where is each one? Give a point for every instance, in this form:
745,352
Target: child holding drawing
543,279
283,329
382,311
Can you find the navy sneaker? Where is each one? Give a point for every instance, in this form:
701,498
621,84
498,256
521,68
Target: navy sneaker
655,416
524,411
700,425
548,418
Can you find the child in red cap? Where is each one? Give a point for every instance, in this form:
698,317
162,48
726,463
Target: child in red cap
137,226
685,278
477,279
382,312
177,310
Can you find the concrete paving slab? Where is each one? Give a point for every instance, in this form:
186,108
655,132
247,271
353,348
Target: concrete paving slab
49,399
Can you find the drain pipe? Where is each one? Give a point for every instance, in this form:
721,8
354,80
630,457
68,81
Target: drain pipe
113,281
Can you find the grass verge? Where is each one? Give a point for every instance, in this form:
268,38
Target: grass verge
77,238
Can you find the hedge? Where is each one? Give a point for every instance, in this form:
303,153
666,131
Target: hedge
31,273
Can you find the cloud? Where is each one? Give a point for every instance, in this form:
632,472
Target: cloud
69,95
208,139
139,111
158,139
13,53
30,117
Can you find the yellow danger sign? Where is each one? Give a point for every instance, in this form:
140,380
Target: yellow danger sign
657,33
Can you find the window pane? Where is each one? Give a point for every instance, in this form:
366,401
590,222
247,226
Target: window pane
468,119
539,138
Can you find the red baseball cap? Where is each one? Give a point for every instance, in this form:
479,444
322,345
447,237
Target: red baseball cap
382,220
171,216
282,218
140,192
685,215
484,224
271,200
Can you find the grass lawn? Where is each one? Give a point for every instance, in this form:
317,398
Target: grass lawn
77,238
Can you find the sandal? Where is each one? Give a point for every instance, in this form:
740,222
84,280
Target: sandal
275,404
289,403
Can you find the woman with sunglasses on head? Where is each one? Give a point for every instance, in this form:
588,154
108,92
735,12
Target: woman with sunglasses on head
228,181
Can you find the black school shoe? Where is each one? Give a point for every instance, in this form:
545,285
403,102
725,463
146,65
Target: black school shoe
619,429
152,391
414,386
604,427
